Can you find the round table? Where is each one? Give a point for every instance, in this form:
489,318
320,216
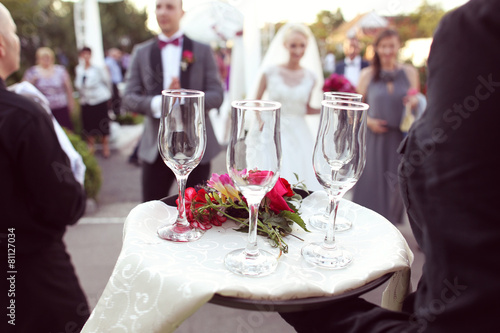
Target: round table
156,284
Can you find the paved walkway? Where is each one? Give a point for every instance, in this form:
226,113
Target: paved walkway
95,242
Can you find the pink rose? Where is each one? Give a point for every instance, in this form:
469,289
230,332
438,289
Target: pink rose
259,177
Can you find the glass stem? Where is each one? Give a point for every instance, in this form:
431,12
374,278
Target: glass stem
253,204
330,228
181,208
331,207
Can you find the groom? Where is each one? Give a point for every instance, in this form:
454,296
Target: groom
352,64
170,61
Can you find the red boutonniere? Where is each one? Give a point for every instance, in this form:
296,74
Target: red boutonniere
187,59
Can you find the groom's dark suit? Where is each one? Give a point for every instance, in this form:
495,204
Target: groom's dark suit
144,81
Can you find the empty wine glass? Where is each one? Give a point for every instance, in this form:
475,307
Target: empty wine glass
338,160
181,142
253,162
340,95
320,220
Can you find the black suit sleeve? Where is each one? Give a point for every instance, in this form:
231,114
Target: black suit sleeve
39,195
449,180
57,197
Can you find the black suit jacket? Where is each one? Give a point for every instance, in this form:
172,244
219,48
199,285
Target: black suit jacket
340,66
39,195
449,178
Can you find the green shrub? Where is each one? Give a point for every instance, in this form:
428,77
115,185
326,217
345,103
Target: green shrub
129,118
93,177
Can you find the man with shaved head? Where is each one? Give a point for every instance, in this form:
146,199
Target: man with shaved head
39,197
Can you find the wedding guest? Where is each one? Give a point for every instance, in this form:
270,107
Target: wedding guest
94,85
170,60
54,82
291,77
113,62
39,197
353,63
385,86
448,176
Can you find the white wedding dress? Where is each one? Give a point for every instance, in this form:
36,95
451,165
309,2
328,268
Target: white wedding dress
292,89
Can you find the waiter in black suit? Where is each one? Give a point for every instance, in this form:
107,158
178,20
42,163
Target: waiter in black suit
449,180
353,63
170,61
39,197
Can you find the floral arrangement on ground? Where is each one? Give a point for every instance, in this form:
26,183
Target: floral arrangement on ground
218,200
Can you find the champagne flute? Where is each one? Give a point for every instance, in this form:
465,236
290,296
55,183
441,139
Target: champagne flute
339,160
320,220
340,95
253,162
181,142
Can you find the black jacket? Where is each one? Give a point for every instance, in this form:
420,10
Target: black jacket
39,195
449,178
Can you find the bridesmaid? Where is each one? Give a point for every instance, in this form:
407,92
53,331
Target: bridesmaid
387,86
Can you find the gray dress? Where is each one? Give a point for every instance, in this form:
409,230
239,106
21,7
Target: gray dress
377,188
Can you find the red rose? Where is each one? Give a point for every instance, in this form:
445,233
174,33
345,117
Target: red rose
275,196
286,184
204,220
188,56
188,197
259,177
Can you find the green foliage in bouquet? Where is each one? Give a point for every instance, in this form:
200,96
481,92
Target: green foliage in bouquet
93,177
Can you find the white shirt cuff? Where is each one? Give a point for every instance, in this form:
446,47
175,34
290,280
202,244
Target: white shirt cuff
156,106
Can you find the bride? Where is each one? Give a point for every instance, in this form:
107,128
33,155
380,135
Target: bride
291,74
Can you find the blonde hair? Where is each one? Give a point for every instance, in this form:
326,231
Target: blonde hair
299,28
42,51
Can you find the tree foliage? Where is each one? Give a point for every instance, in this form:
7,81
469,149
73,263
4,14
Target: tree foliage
420,24
326,22
427,18
51,23
123,25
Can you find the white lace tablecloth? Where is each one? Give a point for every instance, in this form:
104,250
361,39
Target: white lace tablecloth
157,284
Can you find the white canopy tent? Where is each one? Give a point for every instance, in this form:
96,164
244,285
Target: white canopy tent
88,27
219,23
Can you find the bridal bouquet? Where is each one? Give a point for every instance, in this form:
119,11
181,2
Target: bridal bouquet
219,200
337,82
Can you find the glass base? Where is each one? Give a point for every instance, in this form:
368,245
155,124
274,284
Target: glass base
318,254
179,233
261,264
320,221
